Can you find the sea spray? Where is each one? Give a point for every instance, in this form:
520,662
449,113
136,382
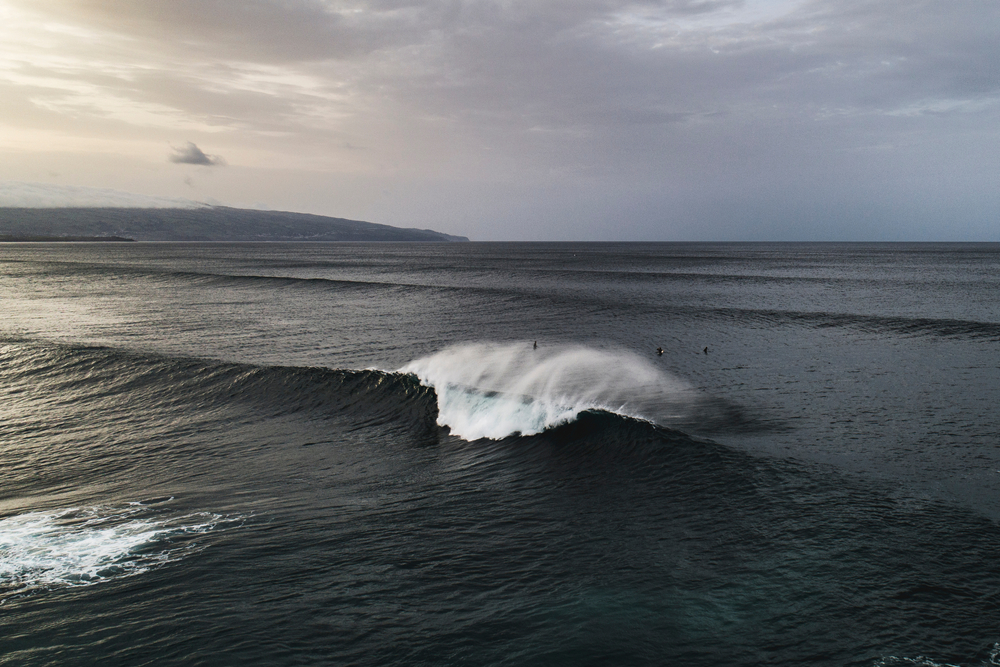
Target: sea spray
488,390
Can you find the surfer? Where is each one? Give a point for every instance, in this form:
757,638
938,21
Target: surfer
659,351
705,350
535,346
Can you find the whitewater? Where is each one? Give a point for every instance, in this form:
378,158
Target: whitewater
489,390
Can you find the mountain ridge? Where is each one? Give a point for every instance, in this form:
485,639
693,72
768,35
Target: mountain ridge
208,223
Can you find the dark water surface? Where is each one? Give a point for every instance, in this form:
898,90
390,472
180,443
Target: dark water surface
353,454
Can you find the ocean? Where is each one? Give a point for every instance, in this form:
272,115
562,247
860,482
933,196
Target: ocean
473,454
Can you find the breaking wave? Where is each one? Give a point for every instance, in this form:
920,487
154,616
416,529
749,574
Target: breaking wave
487,390
476,390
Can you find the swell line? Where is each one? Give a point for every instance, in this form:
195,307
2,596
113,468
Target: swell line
908,326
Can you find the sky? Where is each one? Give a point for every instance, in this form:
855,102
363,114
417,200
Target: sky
588,120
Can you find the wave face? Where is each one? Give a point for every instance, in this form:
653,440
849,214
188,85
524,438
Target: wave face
490,390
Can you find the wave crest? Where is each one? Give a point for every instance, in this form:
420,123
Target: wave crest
487,390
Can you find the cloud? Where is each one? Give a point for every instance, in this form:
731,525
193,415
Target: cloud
311,67
276,31
677,102
43,195
191,154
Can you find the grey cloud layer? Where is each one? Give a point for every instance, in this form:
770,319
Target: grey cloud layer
712,98
592,62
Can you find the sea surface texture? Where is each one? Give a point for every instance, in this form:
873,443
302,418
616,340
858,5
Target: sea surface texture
472,454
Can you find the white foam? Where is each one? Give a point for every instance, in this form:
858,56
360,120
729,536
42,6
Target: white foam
83,546
923,661
488,390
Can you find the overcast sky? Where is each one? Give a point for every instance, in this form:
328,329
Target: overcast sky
521,119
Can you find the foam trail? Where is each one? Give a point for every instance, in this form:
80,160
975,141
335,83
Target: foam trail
81,546
489,390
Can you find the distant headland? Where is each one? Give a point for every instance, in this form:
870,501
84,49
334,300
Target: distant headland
41,238
206,223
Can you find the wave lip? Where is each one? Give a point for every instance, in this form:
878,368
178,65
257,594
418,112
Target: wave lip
84,546
488,390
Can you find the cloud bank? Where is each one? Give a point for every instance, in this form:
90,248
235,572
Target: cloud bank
659,119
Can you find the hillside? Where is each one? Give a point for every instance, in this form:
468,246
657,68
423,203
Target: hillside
209,223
